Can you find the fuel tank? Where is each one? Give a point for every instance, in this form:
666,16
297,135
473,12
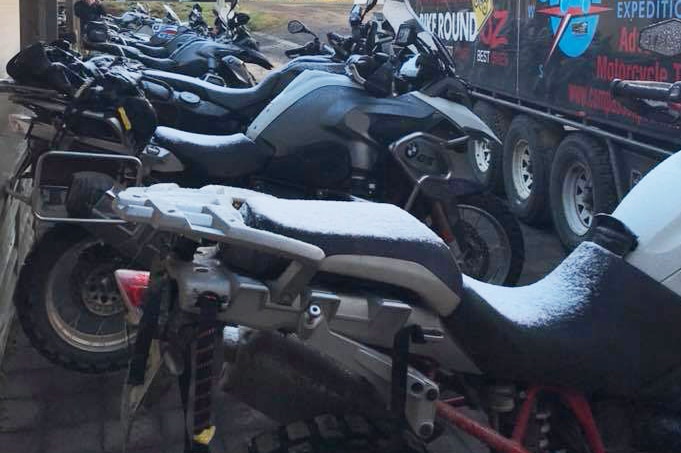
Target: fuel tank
323,128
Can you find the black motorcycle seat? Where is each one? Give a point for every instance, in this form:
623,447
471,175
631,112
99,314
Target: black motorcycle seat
595,323
234,99
384,231
221,157
152,51
113,49
162,64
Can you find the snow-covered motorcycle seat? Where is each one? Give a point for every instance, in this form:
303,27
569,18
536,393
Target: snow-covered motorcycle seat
217,156
595,323
359,229
360,241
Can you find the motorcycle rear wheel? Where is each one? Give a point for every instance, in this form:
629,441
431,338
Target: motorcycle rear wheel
68,304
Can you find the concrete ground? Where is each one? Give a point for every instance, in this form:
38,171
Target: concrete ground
44,408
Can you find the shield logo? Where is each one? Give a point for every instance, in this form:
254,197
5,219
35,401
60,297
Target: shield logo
573,23
482,10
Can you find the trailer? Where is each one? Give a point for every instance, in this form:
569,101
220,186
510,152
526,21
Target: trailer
540,72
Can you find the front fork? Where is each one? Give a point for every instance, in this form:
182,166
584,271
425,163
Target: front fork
447,223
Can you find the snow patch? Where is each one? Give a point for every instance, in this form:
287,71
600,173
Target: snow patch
561,294
192,200
341,218
177,137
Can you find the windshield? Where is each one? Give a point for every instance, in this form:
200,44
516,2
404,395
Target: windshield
397,12
171,12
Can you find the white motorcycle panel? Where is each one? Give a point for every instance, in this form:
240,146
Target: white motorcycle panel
652,210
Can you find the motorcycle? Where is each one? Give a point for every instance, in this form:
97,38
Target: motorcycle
342,154
232,26
136,21
202,58
178,101
181,102
351,324
197,22
178,49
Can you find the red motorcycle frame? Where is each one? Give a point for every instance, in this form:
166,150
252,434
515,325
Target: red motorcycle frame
574,400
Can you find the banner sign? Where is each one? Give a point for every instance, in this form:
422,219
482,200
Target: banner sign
561,54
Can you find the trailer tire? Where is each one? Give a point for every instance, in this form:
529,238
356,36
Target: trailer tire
485,160
582,184
528,149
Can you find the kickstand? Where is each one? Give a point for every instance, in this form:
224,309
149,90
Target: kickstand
133,394
146,359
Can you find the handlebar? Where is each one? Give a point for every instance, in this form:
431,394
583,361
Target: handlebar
311,48
296,51
331,36
654,91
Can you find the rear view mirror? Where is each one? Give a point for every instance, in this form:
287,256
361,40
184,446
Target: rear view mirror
370,5
296,26
356,15
663,38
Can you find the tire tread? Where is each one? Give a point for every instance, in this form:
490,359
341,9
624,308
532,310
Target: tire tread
499,121
544,137
601,173
28,299
329,434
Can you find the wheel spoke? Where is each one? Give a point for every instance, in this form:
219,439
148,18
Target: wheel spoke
83,275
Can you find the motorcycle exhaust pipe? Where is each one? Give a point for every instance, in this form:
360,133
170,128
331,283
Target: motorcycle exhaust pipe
288,381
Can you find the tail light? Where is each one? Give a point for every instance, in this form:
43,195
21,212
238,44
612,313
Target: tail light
132,285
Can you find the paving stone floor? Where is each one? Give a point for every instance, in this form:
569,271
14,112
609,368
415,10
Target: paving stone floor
44,408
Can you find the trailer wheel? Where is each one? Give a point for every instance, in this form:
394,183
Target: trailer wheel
582,185
528,148
485,158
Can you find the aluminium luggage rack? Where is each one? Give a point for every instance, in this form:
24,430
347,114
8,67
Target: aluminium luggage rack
35,196
11,87
327,321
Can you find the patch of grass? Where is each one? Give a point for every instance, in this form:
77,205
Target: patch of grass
156,8
260,20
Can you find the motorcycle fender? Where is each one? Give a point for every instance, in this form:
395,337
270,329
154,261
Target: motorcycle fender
459,115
